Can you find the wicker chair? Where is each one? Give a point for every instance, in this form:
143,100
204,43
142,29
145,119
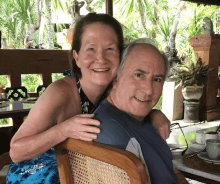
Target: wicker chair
95,163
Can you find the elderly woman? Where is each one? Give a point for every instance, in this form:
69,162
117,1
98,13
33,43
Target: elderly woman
61,111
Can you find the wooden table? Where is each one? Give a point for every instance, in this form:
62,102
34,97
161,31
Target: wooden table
196,173
17,111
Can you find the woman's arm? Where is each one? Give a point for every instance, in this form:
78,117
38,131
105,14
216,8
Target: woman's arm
51,121
161,123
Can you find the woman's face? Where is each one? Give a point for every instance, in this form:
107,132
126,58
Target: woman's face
98,57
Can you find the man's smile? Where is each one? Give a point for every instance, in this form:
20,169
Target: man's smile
140,99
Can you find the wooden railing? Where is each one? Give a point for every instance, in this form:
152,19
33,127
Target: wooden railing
15,62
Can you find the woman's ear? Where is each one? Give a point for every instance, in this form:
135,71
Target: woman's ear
75,56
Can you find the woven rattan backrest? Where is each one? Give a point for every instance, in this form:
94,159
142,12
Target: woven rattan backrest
88,170
81,162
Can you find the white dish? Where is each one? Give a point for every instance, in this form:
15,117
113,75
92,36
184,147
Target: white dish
203,135
206,158
195,146
176,148
3,105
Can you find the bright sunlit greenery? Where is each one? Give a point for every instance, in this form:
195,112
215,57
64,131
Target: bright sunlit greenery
139,18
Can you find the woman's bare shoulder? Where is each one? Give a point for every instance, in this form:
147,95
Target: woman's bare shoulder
56,104
64,91
64,85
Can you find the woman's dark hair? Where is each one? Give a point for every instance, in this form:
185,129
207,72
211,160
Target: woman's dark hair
80,29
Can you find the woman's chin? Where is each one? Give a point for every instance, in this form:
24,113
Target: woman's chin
101,81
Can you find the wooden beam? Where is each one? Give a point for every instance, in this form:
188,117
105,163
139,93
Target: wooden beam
208,2
109,7
0,39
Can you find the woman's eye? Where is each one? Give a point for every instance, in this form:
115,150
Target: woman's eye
110,48
91,49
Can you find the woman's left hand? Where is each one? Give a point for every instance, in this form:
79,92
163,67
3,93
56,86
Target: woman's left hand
161,123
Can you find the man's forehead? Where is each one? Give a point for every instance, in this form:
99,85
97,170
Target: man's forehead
146,48
143,55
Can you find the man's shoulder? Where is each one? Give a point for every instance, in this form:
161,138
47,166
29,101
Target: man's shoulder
107,111
113,131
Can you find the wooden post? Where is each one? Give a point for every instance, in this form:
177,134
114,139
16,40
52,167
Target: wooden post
109,7
208,49
14,80
46,78
172,104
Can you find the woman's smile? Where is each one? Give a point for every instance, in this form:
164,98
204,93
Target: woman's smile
101,69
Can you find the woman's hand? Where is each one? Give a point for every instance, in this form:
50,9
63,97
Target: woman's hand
161,123
81,127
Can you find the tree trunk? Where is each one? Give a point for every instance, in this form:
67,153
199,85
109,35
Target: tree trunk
143,18
49,25
175,24
155,21
29,39
41,31
39,9
173,59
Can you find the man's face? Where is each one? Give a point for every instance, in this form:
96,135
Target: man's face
139,87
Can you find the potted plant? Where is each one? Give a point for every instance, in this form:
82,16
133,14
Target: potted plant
191,77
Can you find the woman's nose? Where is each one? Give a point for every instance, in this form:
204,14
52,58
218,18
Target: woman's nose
100,55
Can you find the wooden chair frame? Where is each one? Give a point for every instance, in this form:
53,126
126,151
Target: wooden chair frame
105,153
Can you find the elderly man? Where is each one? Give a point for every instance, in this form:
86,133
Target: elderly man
135,92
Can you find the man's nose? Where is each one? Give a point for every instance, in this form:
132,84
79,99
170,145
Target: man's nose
147,87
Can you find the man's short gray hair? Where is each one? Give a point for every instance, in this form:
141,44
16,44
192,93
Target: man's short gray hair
142,41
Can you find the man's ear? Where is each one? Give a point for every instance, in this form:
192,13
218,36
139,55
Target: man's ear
75,56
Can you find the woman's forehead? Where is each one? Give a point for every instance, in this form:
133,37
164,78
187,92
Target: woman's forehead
96,26
99,32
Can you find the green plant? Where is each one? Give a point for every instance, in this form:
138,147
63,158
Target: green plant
190,73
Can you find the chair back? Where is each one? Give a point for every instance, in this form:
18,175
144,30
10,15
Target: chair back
93,162
41,89
16,92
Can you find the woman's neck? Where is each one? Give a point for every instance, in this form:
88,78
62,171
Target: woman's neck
93,92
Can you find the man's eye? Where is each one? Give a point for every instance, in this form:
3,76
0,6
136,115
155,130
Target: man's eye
139,75
158,80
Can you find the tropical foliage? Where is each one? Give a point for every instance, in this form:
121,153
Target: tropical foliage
17,16
190,73
155,19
